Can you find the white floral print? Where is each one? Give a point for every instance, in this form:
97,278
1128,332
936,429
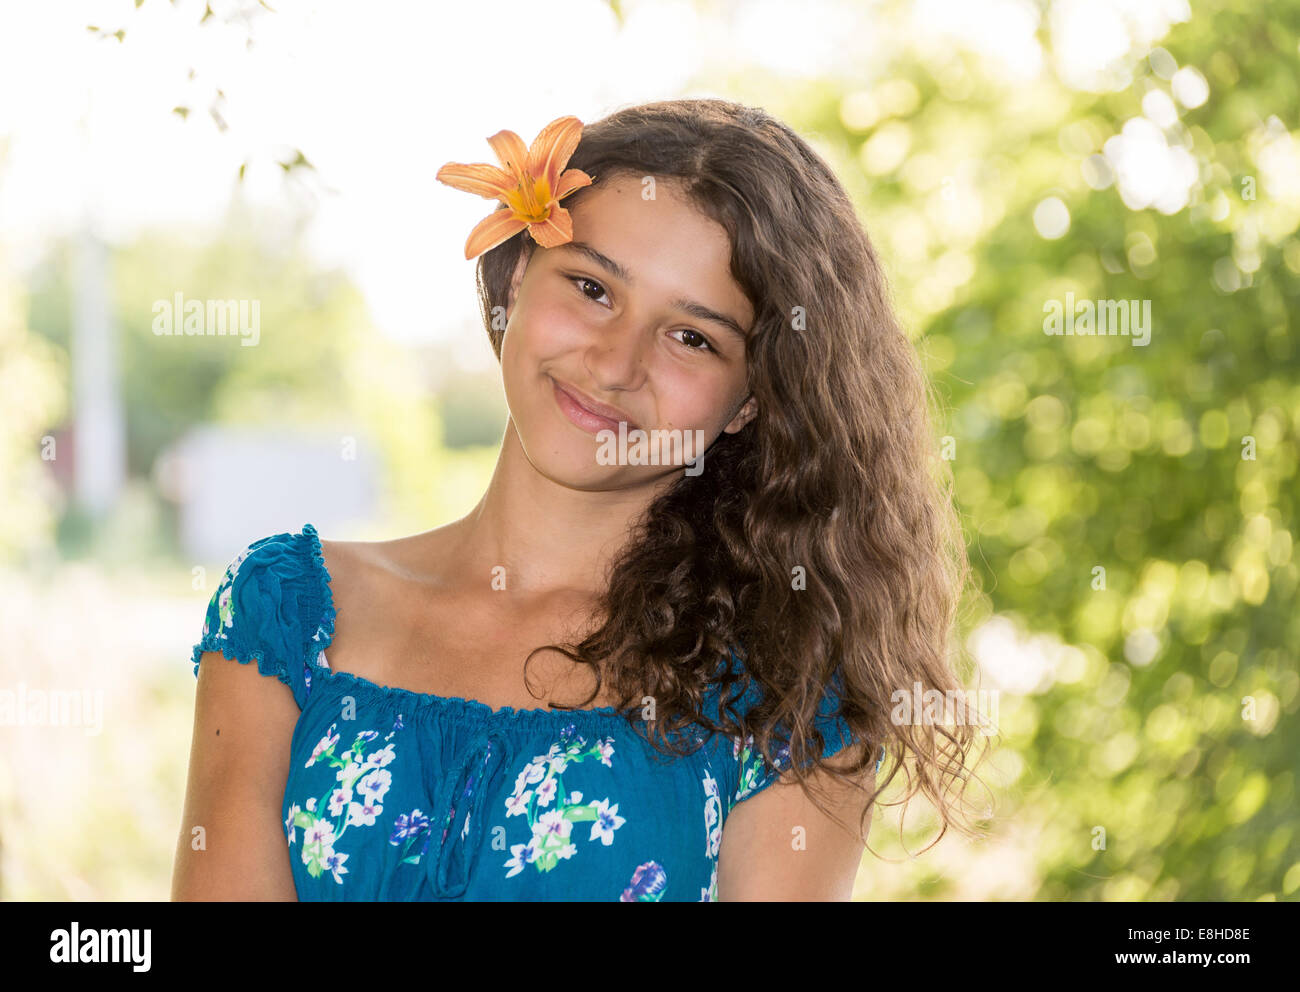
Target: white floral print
552,828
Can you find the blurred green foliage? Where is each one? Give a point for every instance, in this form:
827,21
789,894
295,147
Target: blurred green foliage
473,410
319,363
33,398
313,325
1173,728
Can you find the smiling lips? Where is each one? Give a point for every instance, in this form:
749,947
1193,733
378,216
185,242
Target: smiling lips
591,416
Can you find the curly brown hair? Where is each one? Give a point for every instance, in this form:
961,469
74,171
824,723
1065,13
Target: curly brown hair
838,473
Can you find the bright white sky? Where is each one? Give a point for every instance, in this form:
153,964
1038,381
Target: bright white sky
379,95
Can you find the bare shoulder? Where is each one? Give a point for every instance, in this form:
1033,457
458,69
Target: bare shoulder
361,563
420,559
357,571
377,588
781,845
354,566
845,799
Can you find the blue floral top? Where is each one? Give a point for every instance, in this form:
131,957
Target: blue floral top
397,795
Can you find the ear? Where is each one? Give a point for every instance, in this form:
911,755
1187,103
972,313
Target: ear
517,277
744,415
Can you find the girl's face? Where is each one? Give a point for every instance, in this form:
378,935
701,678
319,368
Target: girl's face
639,313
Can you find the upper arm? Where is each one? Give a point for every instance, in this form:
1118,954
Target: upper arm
253,683
232,842
778,845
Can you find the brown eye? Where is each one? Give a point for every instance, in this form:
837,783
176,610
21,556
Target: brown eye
581,282
697,336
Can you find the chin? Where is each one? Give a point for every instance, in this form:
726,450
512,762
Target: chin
585,475
567,455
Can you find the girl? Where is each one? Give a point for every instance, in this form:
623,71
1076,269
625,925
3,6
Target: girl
720,619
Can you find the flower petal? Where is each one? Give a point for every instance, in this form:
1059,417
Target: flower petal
556,230
485,180
573,179
511,151
496,227
553,147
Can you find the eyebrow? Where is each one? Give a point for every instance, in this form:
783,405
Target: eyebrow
697,310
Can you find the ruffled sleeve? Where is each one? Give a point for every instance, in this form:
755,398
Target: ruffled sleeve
272,606
752,773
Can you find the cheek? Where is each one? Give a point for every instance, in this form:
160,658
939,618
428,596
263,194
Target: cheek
547,326
540,333
695,400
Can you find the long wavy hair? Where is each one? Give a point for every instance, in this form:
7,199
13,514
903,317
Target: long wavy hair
838,474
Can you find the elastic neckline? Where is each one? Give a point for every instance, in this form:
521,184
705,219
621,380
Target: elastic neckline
429,699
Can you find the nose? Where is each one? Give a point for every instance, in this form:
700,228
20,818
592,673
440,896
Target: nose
616,358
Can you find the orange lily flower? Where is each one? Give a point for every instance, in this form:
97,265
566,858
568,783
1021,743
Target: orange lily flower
530,182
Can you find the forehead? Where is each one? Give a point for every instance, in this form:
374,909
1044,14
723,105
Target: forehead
667,245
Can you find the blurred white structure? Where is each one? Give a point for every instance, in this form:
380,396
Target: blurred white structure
100,450
235,485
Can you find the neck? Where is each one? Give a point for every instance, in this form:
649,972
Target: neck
548,537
